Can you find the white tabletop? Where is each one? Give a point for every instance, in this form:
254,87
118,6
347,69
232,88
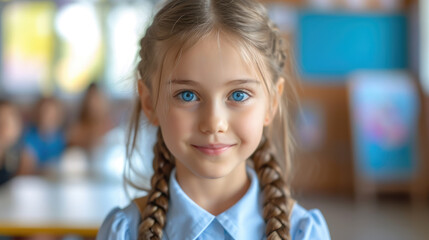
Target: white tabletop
31,205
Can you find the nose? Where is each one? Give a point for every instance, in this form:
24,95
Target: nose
213,119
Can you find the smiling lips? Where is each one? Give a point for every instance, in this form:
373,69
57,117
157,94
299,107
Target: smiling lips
213,149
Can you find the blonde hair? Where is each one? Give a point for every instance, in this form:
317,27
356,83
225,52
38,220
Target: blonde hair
177,26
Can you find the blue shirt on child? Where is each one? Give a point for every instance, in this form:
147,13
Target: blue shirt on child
46,148
188,221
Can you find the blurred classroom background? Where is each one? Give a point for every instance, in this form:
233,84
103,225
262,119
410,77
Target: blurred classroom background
361,122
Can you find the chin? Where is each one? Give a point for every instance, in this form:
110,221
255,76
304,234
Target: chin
213,172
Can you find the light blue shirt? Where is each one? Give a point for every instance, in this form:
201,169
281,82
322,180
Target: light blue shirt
188,221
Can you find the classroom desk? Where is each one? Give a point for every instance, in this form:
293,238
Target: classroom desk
35,205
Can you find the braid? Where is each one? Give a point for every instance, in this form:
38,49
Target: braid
277,201
277,51
154,217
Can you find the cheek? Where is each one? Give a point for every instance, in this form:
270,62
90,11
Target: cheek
249,123
176,125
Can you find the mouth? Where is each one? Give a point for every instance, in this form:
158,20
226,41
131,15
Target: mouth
213,149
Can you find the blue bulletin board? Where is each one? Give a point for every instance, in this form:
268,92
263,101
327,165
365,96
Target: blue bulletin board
330,45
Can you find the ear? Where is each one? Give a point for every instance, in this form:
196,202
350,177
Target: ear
275,102
146,103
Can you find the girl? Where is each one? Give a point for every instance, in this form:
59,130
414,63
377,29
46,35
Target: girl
44,138
93,122
211,78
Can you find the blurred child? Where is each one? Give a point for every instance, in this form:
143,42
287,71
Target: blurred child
10,145
93,123
44,138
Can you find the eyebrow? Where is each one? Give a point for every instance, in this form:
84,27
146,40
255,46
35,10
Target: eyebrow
231,82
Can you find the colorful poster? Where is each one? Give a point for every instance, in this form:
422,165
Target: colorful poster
28,46
385,110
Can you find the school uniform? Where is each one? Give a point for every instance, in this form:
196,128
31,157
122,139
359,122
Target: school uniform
188,221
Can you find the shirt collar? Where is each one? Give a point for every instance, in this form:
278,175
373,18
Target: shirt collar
186,220
244,220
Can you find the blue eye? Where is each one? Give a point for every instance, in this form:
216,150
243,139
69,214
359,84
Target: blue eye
187,96
239,96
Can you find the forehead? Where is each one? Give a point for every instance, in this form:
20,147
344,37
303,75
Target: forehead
216,56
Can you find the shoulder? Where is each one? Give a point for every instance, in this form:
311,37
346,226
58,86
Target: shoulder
120,224
308,224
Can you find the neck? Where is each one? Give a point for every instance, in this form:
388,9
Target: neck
214,195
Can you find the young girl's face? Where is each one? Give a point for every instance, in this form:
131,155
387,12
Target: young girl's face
50,116
212,110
